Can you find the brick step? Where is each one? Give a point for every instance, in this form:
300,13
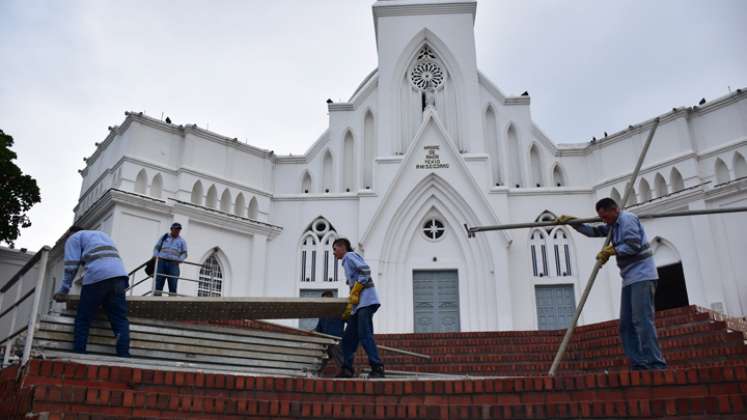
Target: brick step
486,338
684,352
69,375
711,336
682,358
673,315
630,402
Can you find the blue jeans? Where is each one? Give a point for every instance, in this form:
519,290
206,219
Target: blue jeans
637,327
169,268
360,330
111,294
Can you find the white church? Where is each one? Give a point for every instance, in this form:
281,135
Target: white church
424,145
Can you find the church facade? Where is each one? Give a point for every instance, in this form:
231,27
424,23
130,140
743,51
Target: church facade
423,146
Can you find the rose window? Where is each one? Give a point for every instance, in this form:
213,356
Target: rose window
425,74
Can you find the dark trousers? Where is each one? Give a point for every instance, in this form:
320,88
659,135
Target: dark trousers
637,327
359,330
166,268
110,294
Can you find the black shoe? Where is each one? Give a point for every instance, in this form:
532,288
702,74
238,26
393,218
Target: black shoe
345,373
377,372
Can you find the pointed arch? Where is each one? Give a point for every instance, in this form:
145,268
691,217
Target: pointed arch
197,193
239,207
225,201
211,200
211,277
306,182
141,182
676,181
348,162
561,251
491,143
535,162
644,190
369,149
409,107
558,177
660,185
665,253
156,186
538,250
615,195
327,172
633,199
740,165
429,192
722,172
253,208
514,159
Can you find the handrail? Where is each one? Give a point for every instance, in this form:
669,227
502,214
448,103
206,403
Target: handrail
134,283
26,267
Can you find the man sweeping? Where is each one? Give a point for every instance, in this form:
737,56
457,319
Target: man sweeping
362,304
635,259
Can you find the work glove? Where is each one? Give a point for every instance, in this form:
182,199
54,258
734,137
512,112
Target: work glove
347,312
604,255
355,293
564,218
60,297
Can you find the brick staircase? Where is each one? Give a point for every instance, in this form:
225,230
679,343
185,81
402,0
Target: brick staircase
707,379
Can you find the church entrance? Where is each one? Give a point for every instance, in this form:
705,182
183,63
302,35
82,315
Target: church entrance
671,291
436,300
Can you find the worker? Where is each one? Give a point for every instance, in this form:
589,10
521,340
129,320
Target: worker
335,327
635,260
171,250
104,284
363,302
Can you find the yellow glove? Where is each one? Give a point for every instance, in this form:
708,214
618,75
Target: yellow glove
604,255
564,218
347,312
355,293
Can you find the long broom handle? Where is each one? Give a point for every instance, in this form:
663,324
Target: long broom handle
597,263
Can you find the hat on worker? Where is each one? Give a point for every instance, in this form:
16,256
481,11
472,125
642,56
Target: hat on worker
176,226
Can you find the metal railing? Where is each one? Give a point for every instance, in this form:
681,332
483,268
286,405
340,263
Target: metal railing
20,305
203,285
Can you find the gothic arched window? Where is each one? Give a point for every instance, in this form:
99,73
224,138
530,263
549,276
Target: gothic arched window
550,249
211,278
317,259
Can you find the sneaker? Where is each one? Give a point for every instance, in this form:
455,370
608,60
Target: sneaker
377,372
345,373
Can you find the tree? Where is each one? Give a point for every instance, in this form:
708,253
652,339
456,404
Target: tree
18,192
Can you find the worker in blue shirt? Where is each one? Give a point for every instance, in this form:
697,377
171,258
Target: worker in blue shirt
171,250
104,283
363,302
334,327
636,263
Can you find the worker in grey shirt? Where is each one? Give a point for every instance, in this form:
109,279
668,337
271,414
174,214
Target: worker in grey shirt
636,263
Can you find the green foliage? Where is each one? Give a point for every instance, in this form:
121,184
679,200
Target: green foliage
18,192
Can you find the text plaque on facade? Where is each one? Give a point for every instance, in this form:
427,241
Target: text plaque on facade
432,160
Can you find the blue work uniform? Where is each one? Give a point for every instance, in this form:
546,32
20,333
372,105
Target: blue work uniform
637,300
104,284
359,329
335,327
172,252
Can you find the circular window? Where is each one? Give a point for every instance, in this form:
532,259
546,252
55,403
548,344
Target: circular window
434,229
425,74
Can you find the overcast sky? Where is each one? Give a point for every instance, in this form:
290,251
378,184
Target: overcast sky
261,70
